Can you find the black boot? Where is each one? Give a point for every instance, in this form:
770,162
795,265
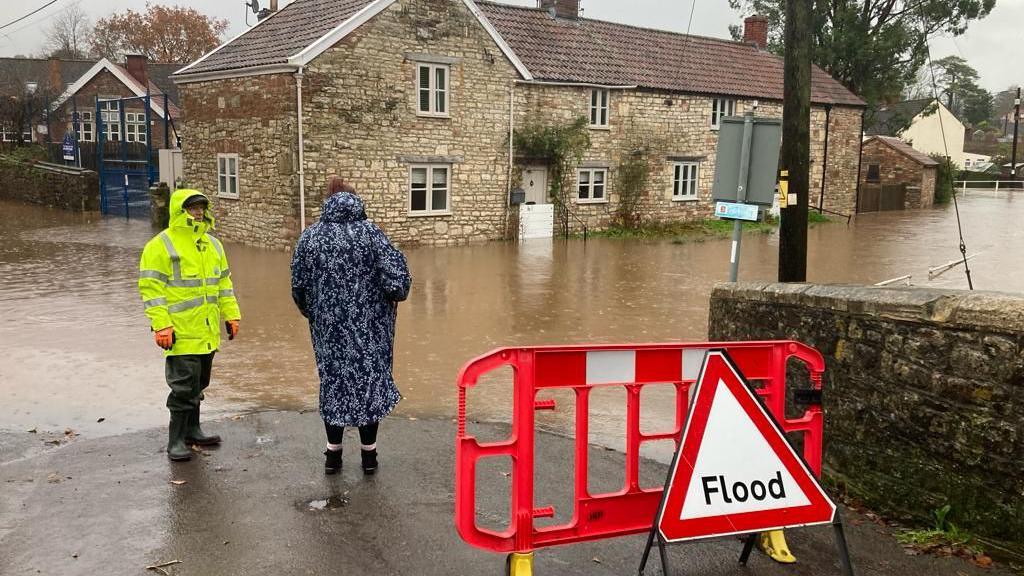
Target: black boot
332,465
194,434
177,450
369,461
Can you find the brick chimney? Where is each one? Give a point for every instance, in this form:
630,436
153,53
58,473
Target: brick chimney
755,30
561,8
55,81
136,66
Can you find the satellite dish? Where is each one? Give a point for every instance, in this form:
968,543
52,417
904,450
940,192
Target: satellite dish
254,5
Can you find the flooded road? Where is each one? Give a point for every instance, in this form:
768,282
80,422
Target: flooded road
76,347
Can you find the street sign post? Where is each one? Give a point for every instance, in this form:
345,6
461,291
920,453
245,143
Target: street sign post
747,160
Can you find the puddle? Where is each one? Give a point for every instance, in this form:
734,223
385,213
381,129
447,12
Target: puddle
331,503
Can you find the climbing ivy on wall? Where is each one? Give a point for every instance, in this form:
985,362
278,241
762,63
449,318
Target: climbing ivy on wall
562,146
631,177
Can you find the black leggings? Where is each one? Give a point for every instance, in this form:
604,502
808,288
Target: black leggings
367,433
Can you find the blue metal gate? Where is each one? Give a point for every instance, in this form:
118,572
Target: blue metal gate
126,163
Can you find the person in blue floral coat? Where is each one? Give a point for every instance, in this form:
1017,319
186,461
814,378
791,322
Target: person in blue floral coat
347,279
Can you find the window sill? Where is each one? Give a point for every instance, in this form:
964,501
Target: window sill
606,127
423,214
601,201
694,199
227,196
429,115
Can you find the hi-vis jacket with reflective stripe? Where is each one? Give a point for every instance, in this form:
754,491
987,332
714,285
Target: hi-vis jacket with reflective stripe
185,281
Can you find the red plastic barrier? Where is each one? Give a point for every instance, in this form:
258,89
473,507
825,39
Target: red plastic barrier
632,509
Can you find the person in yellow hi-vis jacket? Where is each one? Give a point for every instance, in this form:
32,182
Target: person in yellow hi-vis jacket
186,288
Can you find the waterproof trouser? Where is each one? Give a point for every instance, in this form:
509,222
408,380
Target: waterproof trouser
187,376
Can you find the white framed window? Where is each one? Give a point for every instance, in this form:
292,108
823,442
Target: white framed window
599,108
432,89
227,175
7,134
591,185
110,115
135,127
429,189
685,180
720,108
84,127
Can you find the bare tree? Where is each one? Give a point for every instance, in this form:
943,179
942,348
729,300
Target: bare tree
68,36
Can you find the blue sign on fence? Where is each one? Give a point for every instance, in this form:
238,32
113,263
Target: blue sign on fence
736,211
68,147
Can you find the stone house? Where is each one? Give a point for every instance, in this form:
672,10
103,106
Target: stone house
895,176
418,103
72,86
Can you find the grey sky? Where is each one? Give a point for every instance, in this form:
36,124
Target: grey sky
991,46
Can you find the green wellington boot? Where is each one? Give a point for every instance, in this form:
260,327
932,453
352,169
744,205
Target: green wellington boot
194,433
177,450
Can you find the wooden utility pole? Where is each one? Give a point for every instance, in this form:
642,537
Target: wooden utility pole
796,141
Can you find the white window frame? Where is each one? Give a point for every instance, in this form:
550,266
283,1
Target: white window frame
591,172
433,91
135,127
686,181
720,108
225,177
85,128
430,190
110,115
600,111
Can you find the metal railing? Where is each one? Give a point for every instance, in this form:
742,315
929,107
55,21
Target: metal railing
965,185
848,217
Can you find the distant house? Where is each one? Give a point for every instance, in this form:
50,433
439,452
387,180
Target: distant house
418,102
74,85
895,176
925,124
976,162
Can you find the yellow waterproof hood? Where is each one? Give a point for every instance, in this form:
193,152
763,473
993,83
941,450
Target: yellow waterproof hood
181,219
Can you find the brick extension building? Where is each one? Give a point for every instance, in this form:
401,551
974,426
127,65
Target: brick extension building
75,84
895,176
414,101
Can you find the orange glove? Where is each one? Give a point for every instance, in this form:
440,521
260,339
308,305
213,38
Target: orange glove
232,326
165,338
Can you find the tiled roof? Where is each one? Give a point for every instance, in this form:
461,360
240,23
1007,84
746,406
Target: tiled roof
285,33
904,148
594,51
14,72
892,119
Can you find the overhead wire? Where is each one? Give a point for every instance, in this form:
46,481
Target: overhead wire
945,146
16,20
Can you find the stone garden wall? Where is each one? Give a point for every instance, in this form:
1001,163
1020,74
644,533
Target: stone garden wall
924,392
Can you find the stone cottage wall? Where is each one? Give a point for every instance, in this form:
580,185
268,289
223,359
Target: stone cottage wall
668,127
362,121
253,117
923,392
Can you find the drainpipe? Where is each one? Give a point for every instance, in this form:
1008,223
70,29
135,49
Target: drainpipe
302,162
860,161
824,160
511,134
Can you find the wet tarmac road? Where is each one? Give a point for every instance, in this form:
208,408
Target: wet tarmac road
77,348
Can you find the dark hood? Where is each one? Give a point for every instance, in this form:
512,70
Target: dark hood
343,207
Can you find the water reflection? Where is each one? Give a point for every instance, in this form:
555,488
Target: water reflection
77,347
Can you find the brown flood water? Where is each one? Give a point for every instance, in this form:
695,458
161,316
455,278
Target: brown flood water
76,347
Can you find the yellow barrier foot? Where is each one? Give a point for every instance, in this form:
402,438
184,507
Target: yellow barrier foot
774,545
519,564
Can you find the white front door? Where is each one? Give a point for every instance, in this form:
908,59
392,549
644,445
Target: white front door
535,184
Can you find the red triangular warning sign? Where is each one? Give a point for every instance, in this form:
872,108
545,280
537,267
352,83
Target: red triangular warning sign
735,472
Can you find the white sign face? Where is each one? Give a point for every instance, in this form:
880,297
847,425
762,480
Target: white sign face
735,472
724,484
